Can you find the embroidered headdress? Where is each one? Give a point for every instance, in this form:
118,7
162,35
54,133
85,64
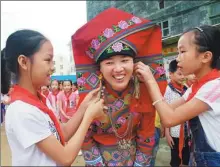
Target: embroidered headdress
115,31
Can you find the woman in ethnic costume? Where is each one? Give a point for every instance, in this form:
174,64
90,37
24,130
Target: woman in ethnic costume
104,51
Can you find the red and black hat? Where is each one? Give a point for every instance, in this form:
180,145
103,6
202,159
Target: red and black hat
115,31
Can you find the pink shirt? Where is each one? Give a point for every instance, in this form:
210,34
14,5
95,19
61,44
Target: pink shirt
53,102
71,109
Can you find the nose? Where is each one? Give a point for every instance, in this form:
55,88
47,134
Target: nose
118,68
53,68
178,58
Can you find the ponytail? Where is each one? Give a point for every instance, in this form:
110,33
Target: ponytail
5,74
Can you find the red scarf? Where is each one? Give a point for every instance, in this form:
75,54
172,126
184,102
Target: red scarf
24,95
55,93
178,87
67,95
214,74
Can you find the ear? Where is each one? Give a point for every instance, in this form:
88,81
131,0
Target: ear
23,62
207,57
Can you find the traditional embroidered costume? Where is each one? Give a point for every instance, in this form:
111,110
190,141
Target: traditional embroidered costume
127,138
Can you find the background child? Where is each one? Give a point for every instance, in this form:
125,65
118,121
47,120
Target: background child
53,97
174,90
67,101
45,90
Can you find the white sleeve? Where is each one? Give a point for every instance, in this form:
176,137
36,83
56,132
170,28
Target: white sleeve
210,94
29,125
168,95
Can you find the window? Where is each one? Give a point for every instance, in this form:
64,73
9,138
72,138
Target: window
164,28
215,20
161,4
61,66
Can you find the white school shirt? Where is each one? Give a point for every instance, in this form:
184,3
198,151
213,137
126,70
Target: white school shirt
171,96
209,93
25,126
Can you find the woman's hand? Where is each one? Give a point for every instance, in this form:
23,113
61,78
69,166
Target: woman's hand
144,73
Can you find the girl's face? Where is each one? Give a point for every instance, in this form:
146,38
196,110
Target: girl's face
44,88
67,87
189,59
54,85
117,71
177,76
42,65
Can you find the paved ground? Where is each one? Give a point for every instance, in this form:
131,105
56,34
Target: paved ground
163,155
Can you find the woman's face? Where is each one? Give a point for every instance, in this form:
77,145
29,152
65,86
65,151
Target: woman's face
117,71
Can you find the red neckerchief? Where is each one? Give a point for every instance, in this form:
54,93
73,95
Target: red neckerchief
24,95
214,74
67,95
55,93
197,85
178,87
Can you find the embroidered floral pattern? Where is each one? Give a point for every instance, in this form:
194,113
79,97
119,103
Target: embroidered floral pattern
81,81
123,24
95,44
136,20
117,47
110,32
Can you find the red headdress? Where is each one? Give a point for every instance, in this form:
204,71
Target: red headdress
107,28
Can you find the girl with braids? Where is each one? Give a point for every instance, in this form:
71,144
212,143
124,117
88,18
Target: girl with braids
34,134
199,54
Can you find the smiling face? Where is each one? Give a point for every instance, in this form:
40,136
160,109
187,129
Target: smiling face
67,86
42,66
177,77
117,71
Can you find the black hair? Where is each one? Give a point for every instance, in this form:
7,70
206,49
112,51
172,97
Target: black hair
207,38
75,83
173,66
5,75
22,42
71,83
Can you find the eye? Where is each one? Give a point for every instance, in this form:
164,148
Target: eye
125,60
109,63
49,59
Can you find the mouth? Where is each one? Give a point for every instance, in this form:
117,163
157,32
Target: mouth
119,78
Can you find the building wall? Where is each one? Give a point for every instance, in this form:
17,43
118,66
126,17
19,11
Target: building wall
180,14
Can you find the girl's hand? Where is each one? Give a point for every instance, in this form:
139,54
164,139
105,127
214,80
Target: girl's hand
96,109
94,95
144,73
